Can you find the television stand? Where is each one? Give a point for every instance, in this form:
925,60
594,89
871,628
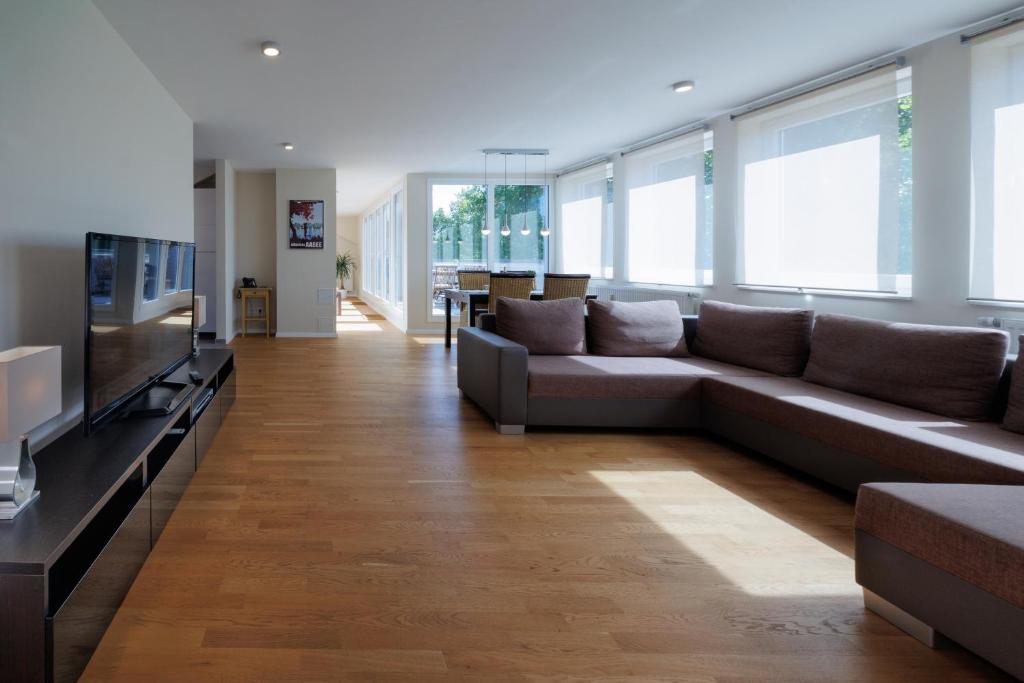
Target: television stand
162,398
68,560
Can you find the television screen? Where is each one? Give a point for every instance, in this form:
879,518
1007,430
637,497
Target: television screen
138,317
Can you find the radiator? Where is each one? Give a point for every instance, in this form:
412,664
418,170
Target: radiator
1014,326
688,301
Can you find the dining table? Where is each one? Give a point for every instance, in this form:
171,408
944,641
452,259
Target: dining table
474,299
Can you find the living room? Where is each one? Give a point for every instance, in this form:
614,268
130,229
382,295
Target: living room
458,340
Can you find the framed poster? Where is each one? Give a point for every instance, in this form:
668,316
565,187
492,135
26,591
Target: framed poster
306,224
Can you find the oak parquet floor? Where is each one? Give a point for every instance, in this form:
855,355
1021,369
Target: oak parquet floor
355,520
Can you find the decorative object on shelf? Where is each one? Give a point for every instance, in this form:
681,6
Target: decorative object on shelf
306,224
198,320
345,266
29,396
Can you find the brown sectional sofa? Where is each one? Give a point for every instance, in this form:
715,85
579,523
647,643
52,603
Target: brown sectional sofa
944,554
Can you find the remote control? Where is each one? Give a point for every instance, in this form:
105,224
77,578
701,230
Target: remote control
195,377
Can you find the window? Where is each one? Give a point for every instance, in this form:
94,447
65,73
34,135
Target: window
524,210
151,272
101,271
187,268
997,155
459,217
825,188
669,212
585,221
172,269
382,250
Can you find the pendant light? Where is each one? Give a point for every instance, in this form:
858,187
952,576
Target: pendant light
525,230
545,230
505,230
485,230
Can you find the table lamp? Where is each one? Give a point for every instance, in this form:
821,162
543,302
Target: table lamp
29,396
198,320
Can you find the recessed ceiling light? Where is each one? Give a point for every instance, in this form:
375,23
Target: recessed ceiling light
270,49
288,146
683,86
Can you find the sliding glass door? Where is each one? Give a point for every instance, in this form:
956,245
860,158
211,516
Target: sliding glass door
466,232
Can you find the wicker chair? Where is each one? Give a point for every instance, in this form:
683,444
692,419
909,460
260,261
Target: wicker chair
471,278
474,278
513,286
561,286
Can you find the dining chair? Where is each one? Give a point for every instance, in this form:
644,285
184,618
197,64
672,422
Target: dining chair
563,286
471,278
511,285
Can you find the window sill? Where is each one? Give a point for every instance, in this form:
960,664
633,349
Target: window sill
835,293
996,303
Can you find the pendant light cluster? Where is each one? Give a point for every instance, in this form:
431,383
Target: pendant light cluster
506,228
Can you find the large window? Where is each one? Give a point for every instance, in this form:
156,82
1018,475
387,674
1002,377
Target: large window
585,221
467,222
382,250
825,188
669,212
997,152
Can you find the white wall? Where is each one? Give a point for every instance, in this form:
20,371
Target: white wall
89,140
301,272
205,210
255,228
227,312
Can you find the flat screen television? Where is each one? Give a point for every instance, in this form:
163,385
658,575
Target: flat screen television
138,320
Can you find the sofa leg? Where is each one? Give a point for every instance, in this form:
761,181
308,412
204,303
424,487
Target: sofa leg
509,429
907,623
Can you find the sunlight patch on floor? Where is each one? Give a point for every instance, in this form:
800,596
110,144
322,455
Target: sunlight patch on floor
433,341
754,550
352,320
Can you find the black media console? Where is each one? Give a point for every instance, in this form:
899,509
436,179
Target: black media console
67,561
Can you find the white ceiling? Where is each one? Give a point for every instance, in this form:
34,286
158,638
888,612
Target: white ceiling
379,88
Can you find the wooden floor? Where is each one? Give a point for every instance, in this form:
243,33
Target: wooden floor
356,521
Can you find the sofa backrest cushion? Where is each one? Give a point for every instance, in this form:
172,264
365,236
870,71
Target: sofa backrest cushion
640,328
545,328
775,340
950,371
1014,418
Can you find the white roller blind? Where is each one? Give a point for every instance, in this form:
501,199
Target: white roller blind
583,221
669,212
997,155
824,188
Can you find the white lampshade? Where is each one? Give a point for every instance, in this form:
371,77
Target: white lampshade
199,312
29,389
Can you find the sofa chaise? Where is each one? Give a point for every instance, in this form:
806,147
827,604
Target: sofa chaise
932,411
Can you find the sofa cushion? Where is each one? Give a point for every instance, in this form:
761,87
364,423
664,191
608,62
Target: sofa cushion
1014,417
951,371
543,327
922,444
973,532
574,377
642,328
775,340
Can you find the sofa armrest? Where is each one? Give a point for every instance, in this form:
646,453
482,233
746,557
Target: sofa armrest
492,372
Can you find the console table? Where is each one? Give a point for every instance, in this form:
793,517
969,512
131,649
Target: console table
67,561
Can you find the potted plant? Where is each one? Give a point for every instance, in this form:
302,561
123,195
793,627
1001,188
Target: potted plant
346,265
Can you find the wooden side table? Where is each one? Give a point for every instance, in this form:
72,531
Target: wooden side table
261,294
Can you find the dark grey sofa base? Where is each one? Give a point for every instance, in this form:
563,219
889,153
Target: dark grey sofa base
606,412
838,467
981,622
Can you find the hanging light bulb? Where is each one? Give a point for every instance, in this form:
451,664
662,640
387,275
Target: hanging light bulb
486,230
545,230
525,230
505,230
